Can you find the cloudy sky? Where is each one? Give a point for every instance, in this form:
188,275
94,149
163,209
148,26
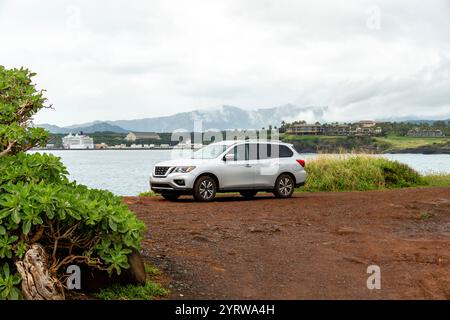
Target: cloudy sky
130,59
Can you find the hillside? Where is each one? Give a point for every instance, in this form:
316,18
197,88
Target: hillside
389,144
223,118
97,127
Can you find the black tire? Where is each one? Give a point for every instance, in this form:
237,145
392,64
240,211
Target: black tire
205,189
248,194
170,196
284,186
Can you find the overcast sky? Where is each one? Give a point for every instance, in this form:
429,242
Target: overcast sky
112,60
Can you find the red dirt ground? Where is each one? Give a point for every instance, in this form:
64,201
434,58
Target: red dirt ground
312,246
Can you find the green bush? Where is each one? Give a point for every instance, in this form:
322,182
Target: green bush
38,204
359,173
398,175
129,292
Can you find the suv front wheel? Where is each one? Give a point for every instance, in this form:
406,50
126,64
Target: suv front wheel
284,186
205,189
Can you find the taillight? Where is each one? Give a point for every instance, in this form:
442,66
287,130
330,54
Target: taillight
301,162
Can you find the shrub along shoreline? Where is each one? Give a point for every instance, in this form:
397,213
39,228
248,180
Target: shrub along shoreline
365,172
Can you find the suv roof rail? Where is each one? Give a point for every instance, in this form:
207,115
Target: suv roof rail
264,140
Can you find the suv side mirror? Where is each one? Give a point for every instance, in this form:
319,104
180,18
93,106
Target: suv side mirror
228,157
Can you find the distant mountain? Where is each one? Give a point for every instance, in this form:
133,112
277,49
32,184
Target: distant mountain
98,126
52,128
226,117
85,125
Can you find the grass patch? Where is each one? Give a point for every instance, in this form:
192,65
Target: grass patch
425,216
152,271
401,142
148,291
147,194
437,179
131,292
361,173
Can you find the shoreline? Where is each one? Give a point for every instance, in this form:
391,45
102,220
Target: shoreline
401,151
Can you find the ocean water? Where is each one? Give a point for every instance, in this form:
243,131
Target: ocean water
126,172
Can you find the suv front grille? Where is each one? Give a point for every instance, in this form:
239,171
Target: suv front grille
161,171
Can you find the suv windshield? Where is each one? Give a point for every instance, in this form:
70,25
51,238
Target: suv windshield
211,151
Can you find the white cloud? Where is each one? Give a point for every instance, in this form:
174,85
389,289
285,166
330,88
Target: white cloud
123,60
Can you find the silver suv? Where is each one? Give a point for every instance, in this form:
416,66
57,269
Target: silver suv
232,166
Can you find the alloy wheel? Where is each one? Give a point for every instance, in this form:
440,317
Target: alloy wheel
285,186
206,189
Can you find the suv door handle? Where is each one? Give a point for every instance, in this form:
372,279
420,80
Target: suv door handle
248,166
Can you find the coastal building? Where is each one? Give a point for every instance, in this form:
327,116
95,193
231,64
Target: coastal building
77,141
416,132
337,129
365,127
133,136
305,129
366,124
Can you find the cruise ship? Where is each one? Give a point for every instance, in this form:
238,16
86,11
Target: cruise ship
77,141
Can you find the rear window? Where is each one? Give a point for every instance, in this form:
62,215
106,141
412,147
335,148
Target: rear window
285,152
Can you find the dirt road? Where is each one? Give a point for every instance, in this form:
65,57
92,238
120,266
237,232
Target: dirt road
315,245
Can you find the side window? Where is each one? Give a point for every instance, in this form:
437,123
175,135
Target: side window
264,151
238,152
252,151
285,152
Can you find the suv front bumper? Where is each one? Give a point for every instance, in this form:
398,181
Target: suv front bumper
181,183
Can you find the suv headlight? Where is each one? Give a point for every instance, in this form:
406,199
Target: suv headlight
182,169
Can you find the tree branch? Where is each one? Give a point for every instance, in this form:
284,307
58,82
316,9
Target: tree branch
8,149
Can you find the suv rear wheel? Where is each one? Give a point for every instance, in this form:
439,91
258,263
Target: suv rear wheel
284,186
170,196
248,194
205,189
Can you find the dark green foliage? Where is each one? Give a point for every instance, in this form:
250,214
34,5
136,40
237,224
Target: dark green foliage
36,194
8,283
38,204
398,175
19,102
